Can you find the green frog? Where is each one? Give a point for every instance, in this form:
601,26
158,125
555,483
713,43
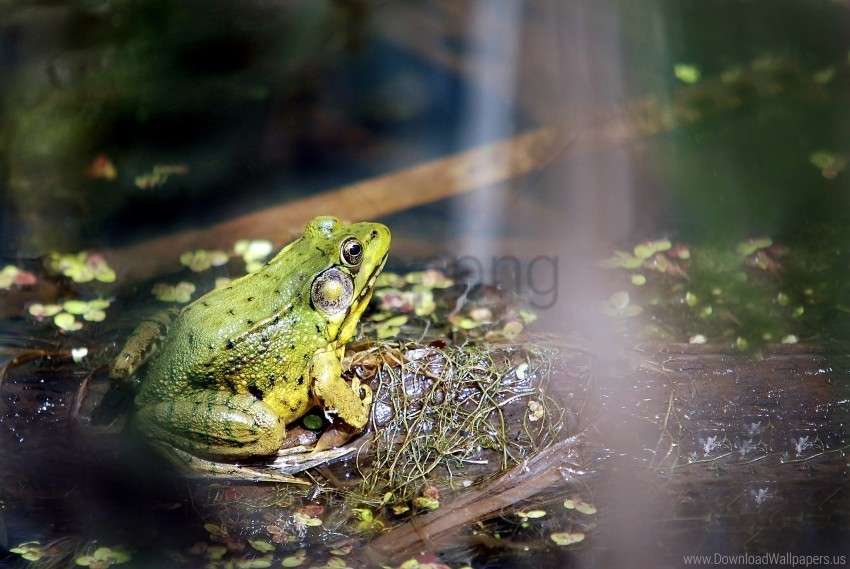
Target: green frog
243,361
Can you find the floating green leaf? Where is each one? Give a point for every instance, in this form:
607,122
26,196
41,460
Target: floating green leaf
30,550
67,322
253,252
567,538
202,260
11,275
261,546
104,557
687,73
295,560
181,292
426,503
306,520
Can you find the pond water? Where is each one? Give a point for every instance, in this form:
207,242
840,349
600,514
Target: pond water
514,145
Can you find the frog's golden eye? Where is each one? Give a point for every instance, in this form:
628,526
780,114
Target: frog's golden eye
332,291
352,251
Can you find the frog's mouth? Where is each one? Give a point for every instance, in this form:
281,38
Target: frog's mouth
343,328
358,305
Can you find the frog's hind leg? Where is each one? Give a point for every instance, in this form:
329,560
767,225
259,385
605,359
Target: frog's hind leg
214,425
197,467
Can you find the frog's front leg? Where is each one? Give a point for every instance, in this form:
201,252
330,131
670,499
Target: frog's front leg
214,425
350,401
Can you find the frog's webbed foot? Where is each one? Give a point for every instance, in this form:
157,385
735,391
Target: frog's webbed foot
141,345
351,402
352,414
299,459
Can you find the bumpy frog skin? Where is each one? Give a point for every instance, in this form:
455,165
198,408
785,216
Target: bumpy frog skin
245,360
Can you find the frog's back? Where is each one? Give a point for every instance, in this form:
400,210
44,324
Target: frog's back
253,331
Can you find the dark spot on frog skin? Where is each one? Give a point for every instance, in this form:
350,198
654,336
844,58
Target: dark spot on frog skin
276,319
231,312
249,322
191,338
300,380
318,330
206,304
229,345
255,391
250,298
292,346
211,346
264,338
277,291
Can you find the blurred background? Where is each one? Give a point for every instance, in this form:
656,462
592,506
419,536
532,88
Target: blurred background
122,120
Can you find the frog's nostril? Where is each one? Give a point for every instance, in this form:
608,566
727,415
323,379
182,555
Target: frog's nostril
374,234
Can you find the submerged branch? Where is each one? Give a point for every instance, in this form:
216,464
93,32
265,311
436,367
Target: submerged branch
439,530
370,199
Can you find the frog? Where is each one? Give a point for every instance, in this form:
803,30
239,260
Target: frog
244,361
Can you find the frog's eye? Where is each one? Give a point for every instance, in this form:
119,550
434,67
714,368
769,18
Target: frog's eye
352,251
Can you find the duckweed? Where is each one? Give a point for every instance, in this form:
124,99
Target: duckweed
253,252
181,292
531,515
81,267
104,557
619,305
160,175
42,311
261,546
426,503
295,560
567,538
303,519
67,322
576,503
10,276
30,550
65,315
687,73
201,260
755,291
